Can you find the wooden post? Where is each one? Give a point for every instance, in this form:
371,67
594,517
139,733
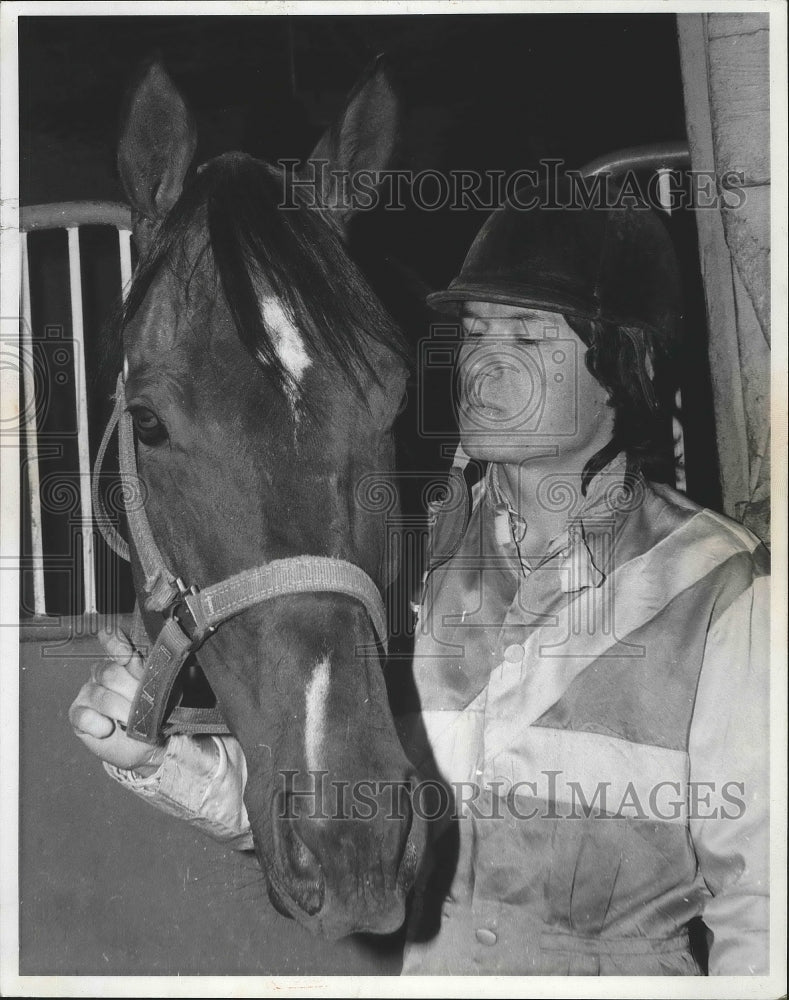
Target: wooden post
27,362
83,443
716,272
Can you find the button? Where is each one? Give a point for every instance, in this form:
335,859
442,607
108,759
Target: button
485,936
514,653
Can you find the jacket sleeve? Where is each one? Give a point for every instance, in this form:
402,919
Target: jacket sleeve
729,759
200,780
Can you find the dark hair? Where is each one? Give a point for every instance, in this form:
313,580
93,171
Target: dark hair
617,356
237,201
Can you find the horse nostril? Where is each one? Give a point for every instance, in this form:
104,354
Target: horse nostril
407,872
303,875
415,839
303,862
277,903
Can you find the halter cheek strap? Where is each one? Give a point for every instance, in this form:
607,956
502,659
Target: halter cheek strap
160,584
193,614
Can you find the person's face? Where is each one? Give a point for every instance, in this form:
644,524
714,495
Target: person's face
523,389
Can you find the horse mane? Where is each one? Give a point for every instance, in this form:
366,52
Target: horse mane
257,245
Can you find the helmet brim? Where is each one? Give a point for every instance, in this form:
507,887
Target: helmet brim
450,302
451,299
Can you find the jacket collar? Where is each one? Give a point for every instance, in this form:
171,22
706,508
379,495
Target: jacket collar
584,545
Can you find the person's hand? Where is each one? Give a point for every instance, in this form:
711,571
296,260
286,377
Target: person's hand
102,708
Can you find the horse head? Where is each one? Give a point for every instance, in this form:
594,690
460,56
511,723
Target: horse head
263,377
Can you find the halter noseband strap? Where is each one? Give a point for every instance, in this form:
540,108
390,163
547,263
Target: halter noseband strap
194,614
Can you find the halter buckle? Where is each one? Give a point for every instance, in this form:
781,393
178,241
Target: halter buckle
187,614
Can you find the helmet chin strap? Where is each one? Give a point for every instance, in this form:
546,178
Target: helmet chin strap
192,613
637,338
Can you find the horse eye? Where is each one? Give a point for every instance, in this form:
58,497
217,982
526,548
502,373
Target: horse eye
148,427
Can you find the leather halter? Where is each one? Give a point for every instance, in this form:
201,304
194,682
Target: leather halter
192,614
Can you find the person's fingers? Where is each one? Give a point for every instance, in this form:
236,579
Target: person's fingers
88,722
115,678
98,716
107,702
118,645
136,666
121,751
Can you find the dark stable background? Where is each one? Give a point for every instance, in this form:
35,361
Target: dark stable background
494,92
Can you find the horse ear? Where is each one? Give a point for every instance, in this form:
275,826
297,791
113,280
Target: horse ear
156,146
362,138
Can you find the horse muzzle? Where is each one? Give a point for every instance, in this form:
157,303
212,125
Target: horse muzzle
340,874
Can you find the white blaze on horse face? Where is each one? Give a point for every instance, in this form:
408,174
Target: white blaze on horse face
315,718
287,339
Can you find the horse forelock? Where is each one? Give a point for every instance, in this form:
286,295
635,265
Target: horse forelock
293,292
237,269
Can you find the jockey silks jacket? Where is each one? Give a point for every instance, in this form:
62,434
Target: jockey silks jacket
598,716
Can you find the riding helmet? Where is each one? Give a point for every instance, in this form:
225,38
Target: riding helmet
610,260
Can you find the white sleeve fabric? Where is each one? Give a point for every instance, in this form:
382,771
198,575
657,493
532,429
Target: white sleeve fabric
200,780
729,747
